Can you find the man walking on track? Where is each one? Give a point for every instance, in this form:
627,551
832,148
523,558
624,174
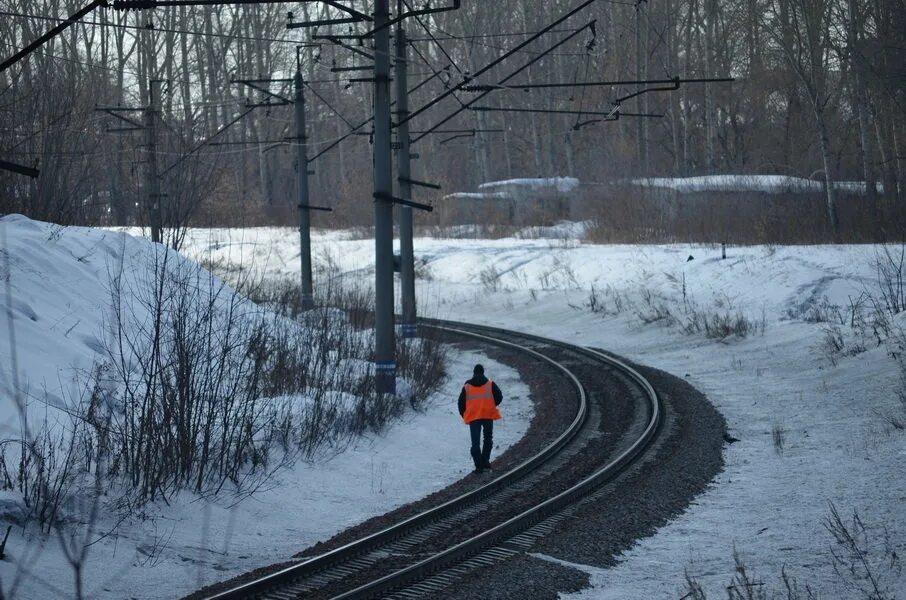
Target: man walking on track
478,402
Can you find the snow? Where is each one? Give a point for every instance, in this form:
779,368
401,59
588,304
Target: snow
561,184
173,550
773,184
479,196
513,189
767,506
59,280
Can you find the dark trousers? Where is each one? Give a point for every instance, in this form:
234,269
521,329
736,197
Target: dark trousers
482,454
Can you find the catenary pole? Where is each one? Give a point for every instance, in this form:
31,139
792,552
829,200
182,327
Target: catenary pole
407,256
306,297
154,199
384,342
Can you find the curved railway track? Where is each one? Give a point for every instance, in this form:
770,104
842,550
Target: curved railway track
426,552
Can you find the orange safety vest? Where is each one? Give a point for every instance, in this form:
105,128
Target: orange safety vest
480,403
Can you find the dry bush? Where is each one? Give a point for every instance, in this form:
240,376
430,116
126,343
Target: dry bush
778,435
632,214
654,310
890,266
719,323
214,393
868,566
835,344
865,560
489,278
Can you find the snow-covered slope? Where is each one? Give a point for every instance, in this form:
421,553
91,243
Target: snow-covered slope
56,312
56,307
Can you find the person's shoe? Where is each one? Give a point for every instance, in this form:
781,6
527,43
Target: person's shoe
479,470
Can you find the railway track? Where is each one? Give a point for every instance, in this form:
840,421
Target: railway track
617,416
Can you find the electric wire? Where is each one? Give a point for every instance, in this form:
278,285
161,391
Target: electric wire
439,74
504,80
152,28
436,43
328,104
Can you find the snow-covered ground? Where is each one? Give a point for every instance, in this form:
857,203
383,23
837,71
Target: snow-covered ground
768,505
59,280
829,407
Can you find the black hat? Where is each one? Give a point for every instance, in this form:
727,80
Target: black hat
478,370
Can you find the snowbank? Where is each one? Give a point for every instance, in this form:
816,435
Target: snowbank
479,196
561,184
772,184
55,328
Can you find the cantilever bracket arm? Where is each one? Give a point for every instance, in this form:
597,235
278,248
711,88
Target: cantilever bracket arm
112,111
254,85
327,22
674,86
339,42
412,13
582,124
50,34
20,169
395,200
415,182
456,137
615,116
589,113
350,11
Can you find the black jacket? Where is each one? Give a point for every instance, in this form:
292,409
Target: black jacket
476,381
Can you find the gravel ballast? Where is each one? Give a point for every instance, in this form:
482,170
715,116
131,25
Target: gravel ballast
686,458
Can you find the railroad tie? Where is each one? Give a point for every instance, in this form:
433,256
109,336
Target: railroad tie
281,595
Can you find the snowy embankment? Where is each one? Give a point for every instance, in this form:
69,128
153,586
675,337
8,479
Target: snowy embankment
560,184
74,311
516,189
511,189
772,184
809,387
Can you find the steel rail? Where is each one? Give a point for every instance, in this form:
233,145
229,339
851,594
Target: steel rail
359,547
519,523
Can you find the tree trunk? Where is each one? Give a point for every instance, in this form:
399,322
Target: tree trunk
824,143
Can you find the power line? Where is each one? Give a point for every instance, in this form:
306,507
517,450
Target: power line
502,49
508,77
526,86
153,28
436,43
450,36
437,74
73,60
326,103
48,35
505,56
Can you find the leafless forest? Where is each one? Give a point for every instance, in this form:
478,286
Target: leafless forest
818,93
